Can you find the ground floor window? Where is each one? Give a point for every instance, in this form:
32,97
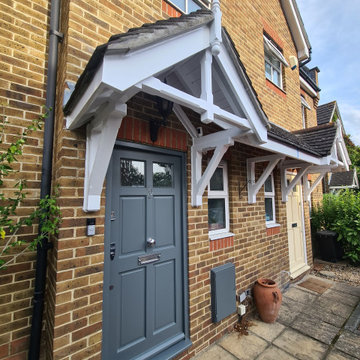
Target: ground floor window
269,190
218,201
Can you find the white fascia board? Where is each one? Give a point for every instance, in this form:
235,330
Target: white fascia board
306,87
296,30
75,119
241,94
151,60
276,147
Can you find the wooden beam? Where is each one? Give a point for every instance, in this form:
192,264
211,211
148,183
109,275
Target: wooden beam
285,188
101,135
253,185
309,189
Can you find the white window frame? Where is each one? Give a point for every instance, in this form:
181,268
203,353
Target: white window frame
270,195
272,52
304,105
205,3
223,194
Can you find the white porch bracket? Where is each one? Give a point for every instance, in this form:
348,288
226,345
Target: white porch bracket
287,188
101,135
220,141
254,186
309,189
190,128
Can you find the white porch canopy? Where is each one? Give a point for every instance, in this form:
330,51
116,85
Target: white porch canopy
190,61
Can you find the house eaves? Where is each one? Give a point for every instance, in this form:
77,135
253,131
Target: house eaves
297,28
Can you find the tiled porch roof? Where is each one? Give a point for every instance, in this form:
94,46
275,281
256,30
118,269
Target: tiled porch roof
134,39
343,178
316,140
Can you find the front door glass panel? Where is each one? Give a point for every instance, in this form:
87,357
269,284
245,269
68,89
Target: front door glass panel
132,173
162,175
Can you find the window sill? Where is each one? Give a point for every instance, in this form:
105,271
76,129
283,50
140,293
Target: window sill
272,229
220,235
269,226
274,87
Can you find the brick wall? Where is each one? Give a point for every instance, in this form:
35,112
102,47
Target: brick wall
74,293
23,41
246,21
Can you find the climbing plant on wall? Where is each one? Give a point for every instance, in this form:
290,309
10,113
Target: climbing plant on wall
46,213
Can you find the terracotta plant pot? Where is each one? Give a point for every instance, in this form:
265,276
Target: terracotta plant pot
268,299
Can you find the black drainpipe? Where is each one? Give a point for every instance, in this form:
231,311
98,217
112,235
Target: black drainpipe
46,173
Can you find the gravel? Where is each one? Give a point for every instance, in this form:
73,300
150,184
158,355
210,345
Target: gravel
340,271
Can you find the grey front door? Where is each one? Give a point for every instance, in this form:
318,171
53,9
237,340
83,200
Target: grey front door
144,272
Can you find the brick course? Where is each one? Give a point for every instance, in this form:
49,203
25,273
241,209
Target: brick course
73,315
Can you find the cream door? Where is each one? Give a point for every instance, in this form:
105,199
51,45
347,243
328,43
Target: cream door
295,231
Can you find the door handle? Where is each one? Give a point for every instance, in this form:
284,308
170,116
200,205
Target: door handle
150,242
294,225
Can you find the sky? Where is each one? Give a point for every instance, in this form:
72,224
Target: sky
333,28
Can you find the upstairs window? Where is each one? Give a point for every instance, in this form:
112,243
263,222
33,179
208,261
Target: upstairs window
269,191
304,106
188,6
218,201
274,61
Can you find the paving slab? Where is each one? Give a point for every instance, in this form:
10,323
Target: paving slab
324,314
337,355
266,331
341,297
334,307
349,343
289,309
315,328
274,353
301,346
243,347
300,295
215,352
343,287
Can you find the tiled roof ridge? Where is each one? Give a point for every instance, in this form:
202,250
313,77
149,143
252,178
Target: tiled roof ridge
314,128
159,24
326,104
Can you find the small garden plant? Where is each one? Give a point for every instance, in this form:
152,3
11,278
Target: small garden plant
47,213
341,213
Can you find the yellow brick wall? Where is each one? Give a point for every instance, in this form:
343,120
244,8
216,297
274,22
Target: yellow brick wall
75,277
23,41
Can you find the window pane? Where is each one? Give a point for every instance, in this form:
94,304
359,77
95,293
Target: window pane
162,175
268,185
217,180
192,6
132,173
268,71
269,215
179,3
276,77
216,214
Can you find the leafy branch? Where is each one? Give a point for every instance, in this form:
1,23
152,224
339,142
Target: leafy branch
47,213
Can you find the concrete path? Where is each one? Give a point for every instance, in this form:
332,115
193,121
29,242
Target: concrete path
312,324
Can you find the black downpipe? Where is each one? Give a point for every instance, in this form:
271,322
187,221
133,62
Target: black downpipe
46,173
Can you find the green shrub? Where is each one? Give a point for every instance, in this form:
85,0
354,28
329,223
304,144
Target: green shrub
341,213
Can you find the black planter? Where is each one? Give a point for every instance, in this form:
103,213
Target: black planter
329,248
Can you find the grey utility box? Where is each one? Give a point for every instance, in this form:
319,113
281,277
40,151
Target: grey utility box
223,293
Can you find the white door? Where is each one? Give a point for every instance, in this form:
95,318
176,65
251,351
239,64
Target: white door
295,228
